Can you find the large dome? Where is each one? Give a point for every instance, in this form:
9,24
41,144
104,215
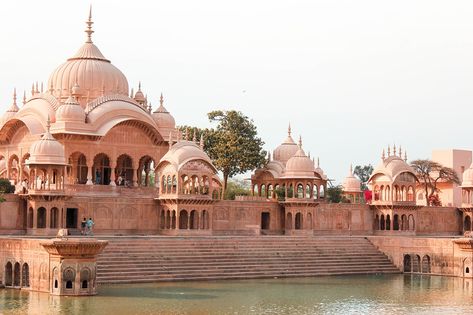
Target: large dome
286,150
90,70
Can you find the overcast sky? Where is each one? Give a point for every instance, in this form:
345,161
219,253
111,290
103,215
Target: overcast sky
350,76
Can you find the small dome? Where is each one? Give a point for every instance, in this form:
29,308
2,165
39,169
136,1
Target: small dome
300,165
70,111
285,150
184,151
139,96
467,181
351,183
162,117
47,150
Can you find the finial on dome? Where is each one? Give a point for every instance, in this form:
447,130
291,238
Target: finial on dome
300,141
139,85
289,130
24,97
318,162
89,29
194,136
351,169
131,93
186,135
389,150
14,96
400,151
308,154
32,89
161,99
41,87
36,88
150,108
48,124
394,150
75,91
201,141
405,155
383,155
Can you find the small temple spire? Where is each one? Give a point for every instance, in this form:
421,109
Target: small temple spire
36,90
400,151
14,97
24,97
405,155
139,85
318,162
201,141
161,100
48,124
186,135
383,155
194,136
394,150
89,31
131,93
300,142
289,130
32,89
389,150
351,169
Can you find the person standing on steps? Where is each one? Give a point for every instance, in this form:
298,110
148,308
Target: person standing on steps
83,226
90,225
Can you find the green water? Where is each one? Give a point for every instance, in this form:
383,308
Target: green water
397,294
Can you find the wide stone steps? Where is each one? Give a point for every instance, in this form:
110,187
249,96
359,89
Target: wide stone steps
127,260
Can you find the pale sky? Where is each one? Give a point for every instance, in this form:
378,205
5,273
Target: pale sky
350,76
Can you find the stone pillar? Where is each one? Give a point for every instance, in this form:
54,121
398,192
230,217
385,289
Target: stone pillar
90,165
113,166
135,170
35,218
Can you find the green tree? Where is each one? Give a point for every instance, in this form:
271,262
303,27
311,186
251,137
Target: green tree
363,173
334,194
237,187
233,145
430,173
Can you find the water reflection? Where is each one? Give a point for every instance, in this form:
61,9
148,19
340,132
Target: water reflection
397,294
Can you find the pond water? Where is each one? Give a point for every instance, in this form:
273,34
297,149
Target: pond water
395,294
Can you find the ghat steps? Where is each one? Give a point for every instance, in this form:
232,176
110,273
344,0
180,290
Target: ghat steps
152,259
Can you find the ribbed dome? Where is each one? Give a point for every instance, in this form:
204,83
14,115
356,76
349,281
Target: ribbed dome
467,181
351,183
71,111
47,151
184,151
162,117
285,150
90,70
300,165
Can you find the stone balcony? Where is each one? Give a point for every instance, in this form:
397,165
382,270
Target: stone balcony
107,190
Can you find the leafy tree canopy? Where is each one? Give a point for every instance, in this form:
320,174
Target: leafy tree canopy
237,187
363,173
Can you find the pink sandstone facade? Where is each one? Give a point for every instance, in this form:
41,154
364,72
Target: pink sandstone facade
86,146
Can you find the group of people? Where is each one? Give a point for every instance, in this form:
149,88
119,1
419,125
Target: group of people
86,226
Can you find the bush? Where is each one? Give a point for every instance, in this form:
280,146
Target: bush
6,187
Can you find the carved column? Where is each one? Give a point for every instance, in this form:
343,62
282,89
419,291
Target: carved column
113,166
90,164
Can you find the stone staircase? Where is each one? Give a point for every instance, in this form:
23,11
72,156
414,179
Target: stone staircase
152,259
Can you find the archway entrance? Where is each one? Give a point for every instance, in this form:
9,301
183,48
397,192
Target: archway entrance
71,218
265,219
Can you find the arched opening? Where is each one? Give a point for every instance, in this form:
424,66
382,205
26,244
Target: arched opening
404,224
387,193
307,191
101,169
411,223
315,192
298,221
169,184
263,191
467,224
416,263
322,191
68,277
255,190
388,222
300,191
173,220
376,222
396,223
183,219
407,263
146,171
125,170
168,219
55,284
174,184
81,169
290,191
41,218
426,264
25,275
8,274
30,218
194,220
309,221
84,278
270,191
54,218
382,223
289,221
410,194
162,220
205,220
16,275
